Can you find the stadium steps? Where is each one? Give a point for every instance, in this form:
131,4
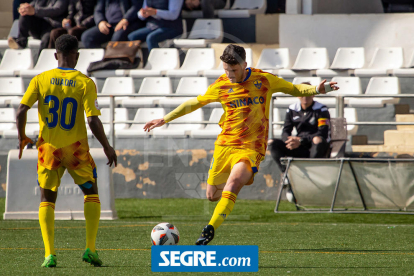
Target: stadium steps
6,20
398,141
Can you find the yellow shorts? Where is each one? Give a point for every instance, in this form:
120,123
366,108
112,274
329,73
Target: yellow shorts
50,179
224,158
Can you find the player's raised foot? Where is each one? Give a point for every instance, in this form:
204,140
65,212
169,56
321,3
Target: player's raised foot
207,235
92,258
50,261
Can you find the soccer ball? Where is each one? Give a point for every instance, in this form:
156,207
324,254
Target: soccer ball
165,234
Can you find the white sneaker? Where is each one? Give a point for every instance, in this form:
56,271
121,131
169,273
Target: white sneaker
290,197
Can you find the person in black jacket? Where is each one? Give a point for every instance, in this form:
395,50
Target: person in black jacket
79,19
311,120
37,19
114,19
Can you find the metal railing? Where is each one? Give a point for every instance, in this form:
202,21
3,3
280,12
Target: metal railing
340,105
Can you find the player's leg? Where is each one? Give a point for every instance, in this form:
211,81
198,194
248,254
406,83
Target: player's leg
241,174
91,209
319,147
214,192
49,181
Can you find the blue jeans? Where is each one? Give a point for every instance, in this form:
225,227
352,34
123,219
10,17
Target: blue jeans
153,37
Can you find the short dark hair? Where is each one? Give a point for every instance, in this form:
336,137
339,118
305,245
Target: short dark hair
233,54
66,44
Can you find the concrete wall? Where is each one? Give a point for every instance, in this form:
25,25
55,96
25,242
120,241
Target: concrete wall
170,173
347,30
333,6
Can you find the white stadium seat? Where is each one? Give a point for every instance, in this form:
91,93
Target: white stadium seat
14,61
350,115
32,129
211,130
142,115
180,128
383,61
308,59
405,72
10,85
121,114
149,86
159,61
195,61
215,73
378,86
203,33
286,101
7,114
347,86
46,61
244,8
116,85
345,59
187,85
86,56
274,59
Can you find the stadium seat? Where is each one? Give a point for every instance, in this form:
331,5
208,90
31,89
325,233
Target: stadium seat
378,86
7,114
10,85
46,61
14,61
405,72
33,43
274,59
32,126
86,56
203,33
211,130
199,13
350,115
142,115
96,83
150,86
121,114
159,61
346,59
383,61
116,85
215,73
286,101
347,86
181,129
188,85
244,8
195,61
308,59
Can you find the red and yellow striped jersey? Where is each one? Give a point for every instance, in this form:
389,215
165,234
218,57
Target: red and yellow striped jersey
245,122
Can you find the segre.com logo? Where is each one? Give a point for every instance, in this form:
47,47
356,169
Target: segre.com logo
216,258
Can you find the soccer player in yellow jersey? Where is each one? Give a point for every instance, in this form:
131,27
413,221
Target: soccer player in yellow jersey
245,94
64,95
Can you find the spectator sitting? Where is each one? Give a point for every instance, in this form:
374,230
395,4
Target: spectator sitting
37,19
311,120
207,6
114,19
79,19
163,19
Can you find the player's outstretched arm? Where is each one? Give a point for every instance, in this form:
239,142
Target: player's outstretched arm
98,131
323,89
21,118
183,109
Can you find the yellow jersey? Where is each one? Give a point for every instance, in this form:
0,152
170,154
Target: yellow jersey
245,122
63,96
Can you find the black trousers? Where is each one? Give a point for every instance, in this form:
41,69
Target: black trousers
278,150
36,27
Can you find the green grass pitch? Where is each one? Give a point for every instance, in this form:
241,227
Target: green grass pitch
289,244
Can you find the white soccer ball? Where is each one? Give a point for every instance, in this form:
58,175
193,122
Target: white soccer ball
165,234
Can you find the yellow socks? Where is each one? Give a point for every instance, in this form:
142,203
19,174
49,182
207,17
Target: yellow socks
92,211
223,208
47,226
